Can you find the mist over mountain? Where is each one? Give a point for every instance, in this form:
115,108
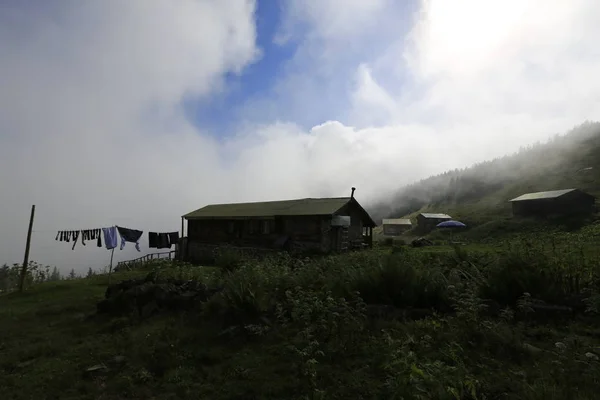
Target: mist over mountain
570,160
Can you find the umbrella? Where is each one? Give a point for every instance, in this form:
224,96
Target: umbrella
451,224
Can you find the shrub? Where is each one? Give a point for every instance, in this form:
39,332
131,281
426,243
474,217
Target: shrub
517,272
244,298
228,259
401,281
400,242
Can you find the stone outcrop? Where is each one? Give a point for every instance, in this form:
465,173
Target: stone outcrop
150,295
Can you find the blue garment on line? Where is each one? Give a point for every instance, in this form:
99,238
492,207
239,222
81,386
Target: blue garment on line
110,237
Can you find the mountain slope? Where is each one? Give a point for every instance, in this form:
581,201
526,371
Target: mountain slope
481,193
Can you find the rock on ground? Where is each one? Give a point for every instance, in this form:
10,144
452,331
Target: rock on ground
148,296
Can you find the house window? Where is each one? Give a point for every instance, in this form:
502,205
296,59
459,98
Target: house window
252,227
266,227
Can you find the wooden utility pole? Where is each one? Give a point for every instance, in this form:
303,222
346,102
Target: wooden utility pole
26,258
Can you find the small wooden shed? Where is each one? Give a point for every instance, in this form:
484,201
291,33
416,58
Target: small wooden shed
427,221
395,227
555,202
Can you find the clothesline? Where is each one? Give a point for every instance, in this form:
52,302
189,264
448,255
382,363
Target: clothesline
155,240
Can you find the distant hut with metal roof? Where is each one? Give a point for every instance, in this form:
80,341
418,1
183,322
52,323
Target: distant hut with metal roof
323,225
555,202
427,221
395,227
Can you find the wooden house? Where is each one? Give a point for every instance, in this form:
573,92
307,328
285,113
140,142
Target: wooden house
395,227
556,202
322,225
427,221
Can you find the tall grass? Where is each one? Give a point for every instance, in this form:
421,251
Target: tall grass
415,278
306,319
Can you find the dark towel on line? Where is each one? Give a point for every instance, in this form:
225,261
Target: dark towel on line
163,241
174,238
86,235
130,235
75,236
98,232
153,240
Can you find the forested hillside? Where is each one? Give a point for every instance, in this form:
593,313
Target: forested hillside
482,191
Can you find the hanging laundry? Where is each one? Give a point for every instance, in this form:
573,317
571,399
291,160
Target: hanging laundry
130,235
91,234
173,238
75,236
96,234
153,240
68,236
163,241
85,235
110,238
64,236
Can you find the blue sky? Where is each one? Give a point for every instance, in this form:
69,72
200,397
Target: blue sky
216,114
267,80
136,112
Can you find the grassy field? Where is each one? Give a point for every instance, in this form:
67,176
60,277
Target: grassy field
394,322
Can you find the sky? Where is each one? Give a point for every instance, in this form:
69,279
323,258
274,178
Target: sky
135,113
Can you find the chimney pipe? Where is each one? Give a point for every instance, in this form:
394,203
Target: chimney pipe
352,194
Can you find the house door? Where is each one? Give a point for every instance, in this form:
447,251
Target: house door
335,238
279,228
239,229
339,238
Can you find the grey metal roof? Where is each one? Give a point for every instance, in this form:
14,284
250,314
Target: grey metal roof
435,215
298,207
553,194
397,221
309,206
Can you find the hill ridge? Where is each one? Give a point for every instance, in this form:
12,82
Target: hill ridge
571,160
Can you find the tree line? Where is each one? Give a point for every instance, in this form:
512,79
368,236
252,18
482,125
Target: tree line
36,273
562,160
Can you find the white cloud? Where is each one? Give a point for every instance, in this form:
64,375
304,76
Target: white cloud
329,19
500,73
471,81
92,131
90,125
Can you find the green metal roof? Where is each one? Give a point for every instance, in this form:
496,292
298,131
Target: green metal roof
397,221
553,194
435,215
309,206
